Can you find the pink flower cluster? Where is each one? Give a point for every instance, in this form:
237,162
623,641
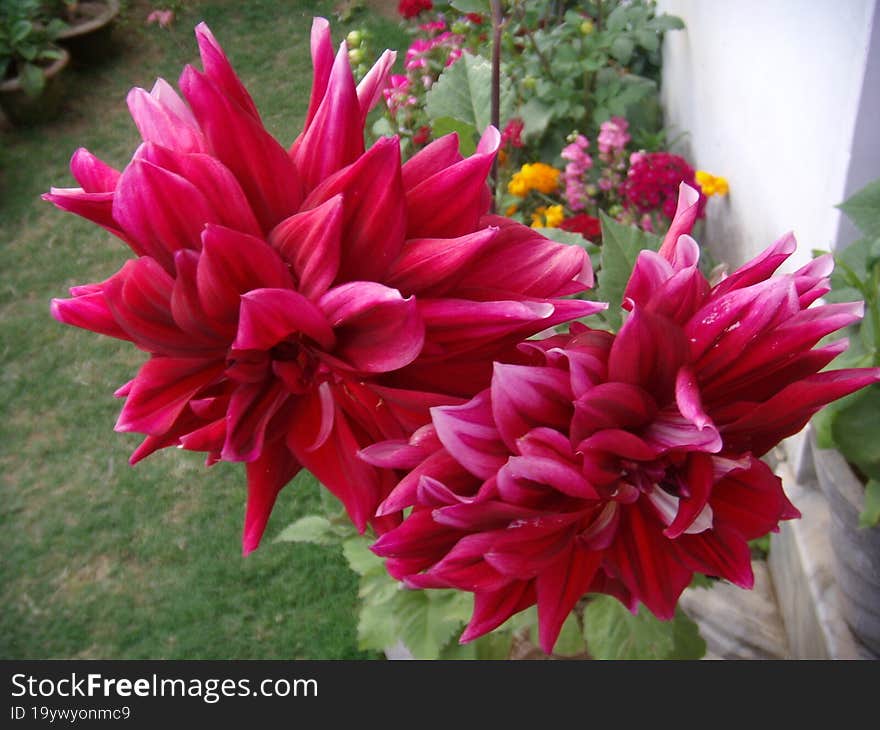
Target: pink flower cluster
613,137
444,48
579,162
397,94
511,135
653,180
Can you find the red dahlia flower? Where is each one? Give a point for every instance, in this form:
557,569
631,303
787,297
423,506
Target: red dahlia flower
622,464
411,8
300,305
588,226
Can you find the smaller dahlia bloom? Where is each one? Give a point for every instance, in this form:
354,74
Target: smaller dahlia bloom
613,136
299,303
622,464
653,180
588,226
409,9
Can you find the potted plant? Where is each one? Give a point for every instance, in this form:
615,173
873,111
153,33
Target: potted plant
30,63
848,432
88,34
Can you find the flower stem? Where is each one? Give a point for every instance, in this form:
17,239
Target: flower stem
497,20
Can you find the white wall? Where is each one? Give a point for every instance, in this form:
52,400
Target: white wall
771,94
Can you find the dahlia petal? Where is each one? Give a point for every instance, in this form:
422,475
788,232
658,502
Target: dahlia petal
369,90
525,397
270,316
680,297
208,438
322,62
545,442
521,260
642,559
432,266
670,431
650,272
162,118
251,407
611,405
374,214
493,608
524,551
760,267
433,158
377,330
449,203
411,408
311,242
161,391
267,175
95,207
463,567
559,475
620,443
479,516
699,478
333,137
93,174
720,552
232,264
687,398
440,466
186,305
559,588
683,221
90,312
470,436
267,476
220,71
160,211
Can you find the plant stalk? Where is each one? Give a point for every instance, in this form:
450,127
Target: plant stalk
497,21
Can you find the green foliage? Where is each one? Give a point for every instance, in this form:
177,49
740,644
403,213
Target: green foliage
467,133
852,424
612,632
463,93
621,245
26,43
870,515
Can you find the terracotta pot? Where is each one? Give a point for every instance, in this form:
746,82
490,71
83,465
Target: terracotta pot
23,109
856,551
90,36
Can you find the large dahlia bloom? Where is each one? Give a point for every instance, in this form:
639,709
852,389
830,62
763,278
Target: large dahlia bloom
622,463
298,305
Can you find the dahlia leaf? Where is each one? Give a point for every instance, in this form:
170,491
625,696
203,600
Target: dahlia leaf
620,249
870,516
466,132
463,92
863,208
613,633
313,529
429,619
359,557
851,424
571,640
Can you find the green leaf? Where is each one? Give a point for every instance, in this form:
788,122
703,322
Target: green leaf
466,133
536,117
621,245
648,39
463,92
470,6
854,431
870,516
32,79
667,22
571,640
429,619
359,557
20,30
863,208
617,18
313,529
377,625
622,49
383,128
612,632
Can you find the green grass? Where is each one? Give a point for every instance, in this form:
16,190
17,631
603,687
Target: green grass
101,560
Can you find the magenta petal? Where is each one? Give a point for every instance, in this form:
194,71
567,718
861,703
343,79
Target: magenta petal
560,475
527,549
186,305
162,389
90,312
760,267
720,552
251,407
432,266
430,160
699,479
233,264
525,397
160,211
322,62
334,136
220,71
93,175
687,398
311,243
650,272
377,330
611,405
559,588
469,434
270,316
162,118
493,608
450,203
683,221
96,207
266,477
267,175
369,90
374,214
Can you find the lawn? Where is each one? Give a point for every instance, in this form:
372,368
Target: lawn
101,560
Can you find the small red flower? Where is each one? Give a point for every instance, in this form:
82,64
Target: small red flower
422,135
411,8
475,18
512,133
653,180
589,227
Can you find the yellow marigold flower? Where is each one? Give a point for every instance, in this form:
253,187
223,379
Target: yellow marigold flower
712,184
511,209
502,157
547,216
535,176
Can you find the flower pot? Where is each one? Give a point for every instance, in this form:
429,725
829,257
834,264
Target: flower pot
89,37
856,551
23,109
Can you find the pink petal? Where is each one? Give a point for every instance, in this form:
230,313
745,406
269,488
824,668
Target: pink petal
682,222
369,90
95,207
559,588
93,175
186,305
493,608
322,62
611,405
760,267
377,330
270,316
560,475
526,550
650,272
89,311
311,242
219,70
470,436
374,214
431,159
266,476
162,118
251,408
699,479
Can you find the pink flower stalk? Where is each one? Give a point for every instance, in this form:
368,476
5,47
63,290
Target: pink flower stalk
579,162
298,305
613,136
622,464
397,96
